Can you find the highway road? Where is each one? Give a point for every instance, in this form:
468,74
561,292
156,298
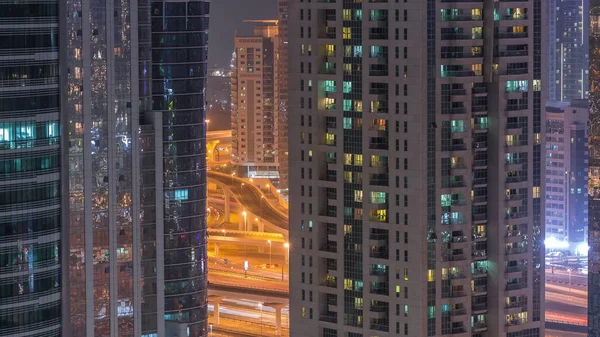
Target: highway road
249,196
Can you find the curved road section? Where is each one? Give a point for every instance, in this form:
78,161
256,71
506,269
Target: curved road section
249,196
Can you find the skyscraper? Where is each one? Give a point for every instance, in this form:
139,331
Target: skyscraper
255,102
568,50
137,74
30,170
594,173
566,174
282,127
415,157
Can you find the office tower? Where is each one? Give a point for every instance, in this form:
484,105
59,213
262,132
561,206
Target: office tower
568,50
133,223
179,72
415,145
30,174
282,128
255,102
566,174
594,173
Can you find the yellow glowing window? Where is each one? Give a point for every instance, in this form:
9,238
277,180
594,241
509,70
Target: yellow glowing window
358,303
358,106
347,14
347,159
518,29
431,275
303,311
358,159
405,274
536,192
358,196
347,33
330,50
329,139
347,229
347,284
348,177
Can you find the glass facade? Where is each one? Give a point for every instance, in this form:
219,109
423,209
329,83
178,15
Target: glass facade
30,191
568,50
594,173
179,71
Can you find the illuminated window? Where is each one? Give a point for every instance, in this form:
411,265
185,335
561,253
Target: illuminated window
431,275
358,159
330,50
347,33
536,192
405,274
348,284
181,194
358,196
347,159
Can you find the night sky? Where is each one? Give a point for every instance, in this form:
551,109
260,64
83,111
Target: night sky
225,17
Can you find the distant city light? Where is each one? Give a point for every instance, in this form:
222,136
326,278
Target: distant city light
554,243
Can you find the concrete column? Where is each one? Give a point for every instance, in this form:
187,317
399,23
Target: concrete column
277,307
261,226
227,204
217,304
278,321
241,222
216,249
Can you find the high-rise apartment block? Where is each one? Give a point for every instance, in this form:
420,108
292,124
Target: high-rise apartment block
255,102
282,128
566,204
416,155
568,50
30,170
137,168
594,173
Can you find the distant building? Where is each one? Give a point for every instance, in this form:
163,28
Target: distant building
568,50
218,99
566,171
255,102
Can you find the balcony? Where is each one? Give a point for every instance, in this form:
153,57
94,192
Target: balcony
479,272
511,35
515,269
516,215
454,111
379,272
479,217
460,73
480,289
516,286
379,290
379,308
453,257
513,233
458,330
457,239
464,17
479,326
380,327
478,236
461,36
379,253
329,317
510,17
479,198
329,246
330,281
453,221
480,145
480,181
458,312
517,179
513,322
457,293
516,250
479,254
479,306
510,53
456,276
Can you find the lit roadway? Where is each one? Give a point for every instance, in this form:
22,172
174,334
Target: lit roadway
251,198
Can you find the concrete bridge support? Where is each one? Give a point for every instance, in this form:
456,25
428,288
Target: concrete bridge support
216,300
277,307
227,194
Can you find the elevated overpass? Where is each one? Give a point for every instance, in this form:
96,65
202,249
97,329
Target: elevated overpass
252,200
